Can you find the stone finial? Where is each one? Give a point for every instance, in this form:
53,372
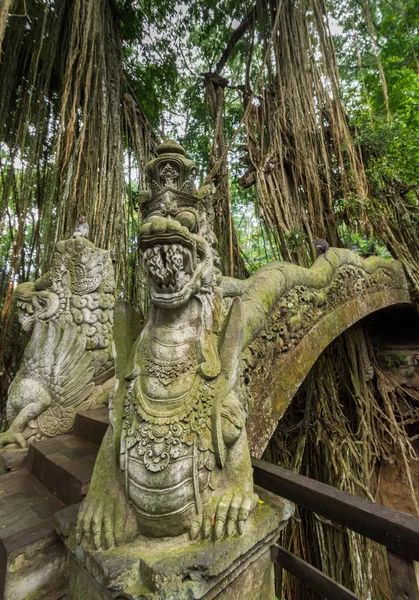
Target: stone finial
170,179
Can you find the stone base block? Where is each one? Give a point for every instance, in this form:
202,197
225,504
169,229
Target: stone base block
237,568
38,571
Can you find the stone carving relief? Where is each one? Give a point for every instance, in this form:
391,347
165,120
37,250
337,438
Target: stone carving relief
68,360
302,307
176,459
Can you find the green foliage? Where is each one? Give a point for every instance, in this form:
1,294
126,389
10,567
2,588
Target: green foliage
255,242
168,47
296,239
394,361
389,143
389,150
363,245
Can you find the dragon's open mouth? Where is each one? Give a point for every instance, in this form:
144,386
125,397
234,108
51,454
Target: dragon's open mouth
175,262
170,266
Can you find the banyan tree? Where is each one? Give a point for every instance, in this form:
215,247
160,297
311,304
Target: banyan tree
254,91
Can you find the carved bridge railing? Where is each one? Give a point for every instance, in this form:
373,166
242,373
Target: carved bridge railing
397,531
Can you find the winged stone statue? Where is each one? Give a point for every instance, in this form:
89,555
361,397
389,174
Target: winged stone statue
54,381
68,364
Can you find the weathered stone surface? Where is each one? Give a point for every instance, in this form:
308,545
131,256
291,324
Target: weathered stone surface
12,460
127,327
175,568
255,582
176,457
68,359
33,562
273,373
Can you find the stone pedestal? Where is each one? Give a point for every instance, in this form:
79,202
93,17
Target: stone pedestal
237,568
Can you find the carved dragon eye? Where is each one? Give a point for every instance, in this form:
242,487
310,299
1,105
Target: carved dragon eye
188,219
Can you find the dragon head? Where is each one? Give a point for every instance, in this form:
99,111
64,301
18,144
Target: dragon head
36,303
176,238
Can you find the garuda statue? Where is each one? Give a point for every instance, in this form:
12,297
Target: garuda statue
176,457
68,359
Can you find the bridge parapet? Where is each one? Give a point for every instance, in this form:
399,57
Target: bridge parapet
303,311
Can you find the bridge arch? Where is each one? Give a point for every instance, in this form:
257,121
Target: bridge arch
283,372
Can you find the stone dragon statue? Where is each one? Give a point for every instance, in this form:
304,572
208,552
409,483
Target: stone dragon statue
175,459
68,361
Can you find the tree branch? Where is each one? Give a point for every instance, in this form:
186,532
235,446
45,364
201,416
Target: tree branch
235,37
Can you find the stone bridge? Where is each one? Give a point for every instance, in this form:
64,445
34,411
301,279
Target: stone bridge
295,312
311,308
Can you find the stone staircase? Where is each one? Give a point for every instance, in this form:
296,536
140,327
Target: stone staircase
56,474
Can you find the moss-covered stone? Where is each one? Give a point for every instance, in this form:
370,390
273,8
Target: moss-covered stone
276,381
175,568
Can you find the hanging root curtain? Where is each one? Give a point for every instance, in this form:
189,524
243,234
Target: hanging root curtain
301,158
68,121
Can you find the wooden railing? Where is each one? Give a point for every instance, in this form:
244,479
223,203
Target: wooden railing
397,531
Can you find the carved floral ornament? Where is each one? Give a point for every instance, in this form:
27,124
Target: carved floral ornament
170,181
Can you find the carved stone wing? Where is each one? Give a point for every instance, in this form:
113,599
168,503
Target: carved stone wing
57,357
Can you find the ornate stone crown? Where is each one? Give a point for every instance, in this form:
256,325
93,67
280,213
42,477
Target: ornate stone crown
172,175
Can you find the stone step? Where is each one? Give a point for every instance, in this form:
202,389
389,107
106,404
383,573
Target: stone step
63,465
32,556
57,474
91,425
